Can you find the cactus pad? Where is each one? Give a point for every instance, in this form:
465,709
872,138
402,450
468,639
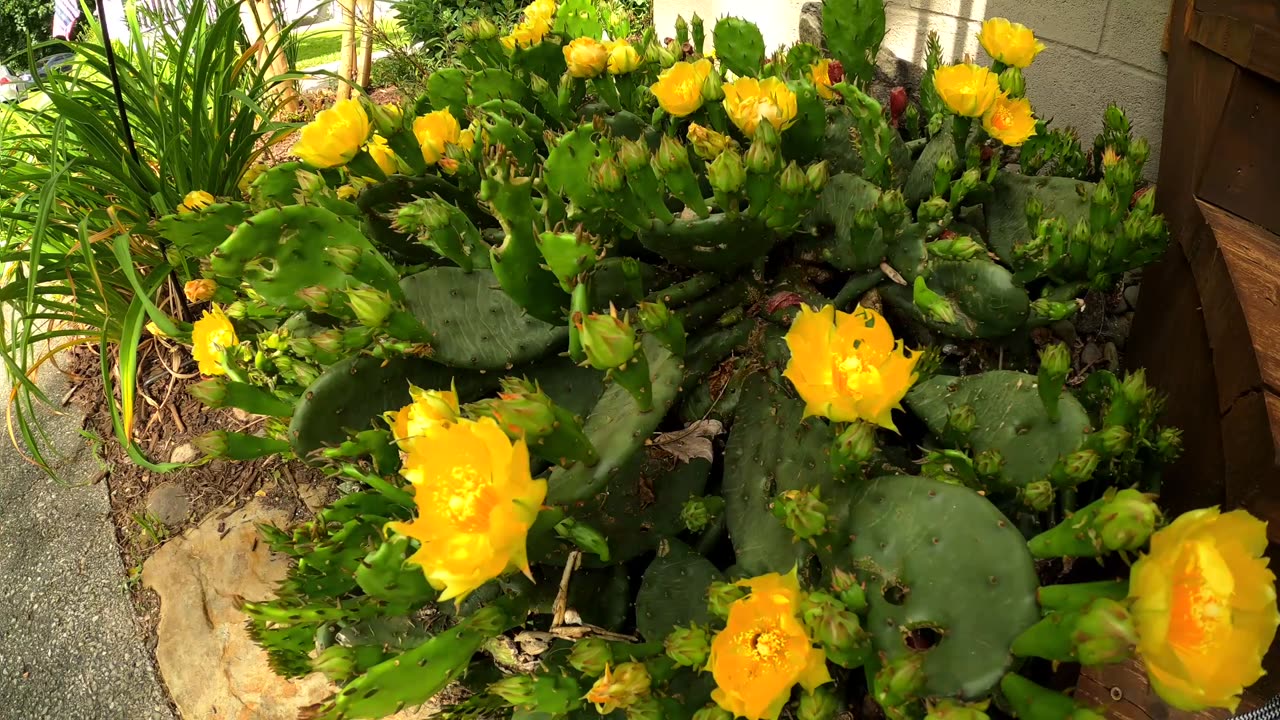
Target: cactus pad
674,591
853,31
940,557
986,301
196,234
740,46
1007,210
1012,421
846,248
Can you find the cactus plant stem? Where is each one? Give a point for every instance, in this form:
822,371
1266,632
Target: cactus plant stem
855,287
1066,598
391,492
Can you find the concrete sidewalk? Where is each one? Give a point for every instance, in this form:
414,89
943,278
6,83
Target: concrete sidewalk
70,648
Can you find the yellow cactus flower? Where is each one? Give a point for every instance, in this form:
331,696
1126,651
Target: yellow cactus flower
1204,605
210,336
429,410
1011,43
586,57
1010,121
467,138
155,330
533,27
335,136
679,87
253,172
383,155
1110,157
201,290
708,143
348,192
435,132
764,650
748,101
848,366
195,200
821,76
476,502
623,58
968,90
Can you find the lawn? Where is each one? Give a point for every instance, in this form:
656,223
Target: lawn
322,44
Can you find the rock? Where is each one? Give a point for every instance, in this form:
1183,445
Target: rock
1091,355
1112,355
184,453
169,504
315,495
1089,319
1065,331
1119,329
206,657
240,415
1131,296
811,25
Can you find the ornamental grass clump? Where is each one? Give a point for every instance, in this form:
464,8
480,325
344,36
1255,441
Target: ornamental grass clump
634,376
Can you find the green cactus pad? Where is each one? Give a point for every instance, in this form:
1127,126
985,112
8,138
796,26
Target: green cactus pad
385,575
674,591
1007,210
718,243
771,449
473,324
941,557
568,166
379,201
578,18
740,46
1012,420
495,84
350,394
447,90
196,234
844,249
282,250
572,387
276,186
853,30
919,185
986,300
618,430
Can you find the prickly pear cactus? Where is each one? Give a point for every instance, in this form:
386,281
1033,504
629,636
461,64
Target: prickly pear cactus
640,382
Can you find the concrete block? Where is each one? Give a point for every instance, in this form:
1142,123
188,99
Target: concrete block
778,19
1073,88
1073,22
907,32
1135,32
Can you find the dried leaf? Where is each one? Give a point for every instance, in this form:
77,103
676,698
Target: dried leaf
692,442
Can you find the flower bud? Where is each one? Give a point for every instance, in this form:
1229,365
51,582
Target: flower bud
1127,520
198,291
371,306
568,255
988,463
1035,211
682,30
647,709
1037,495
949,709
522,410
337,662
1114,440
608,341
212,392
900,681
633,155
660,322
707,143
762,159
793,180
849,590
818,175
957,248
1104,634
671,157
1012,82
816,605
891,208
1134,388
720,595
1080,466
897,103
621,687
933,210
962,419
1115,120
590,656
713,87
387,118
606,176
1169,444
343,257
688,646
854,445
934,306
421,216
213,443
698,513
821,704
726,173
1053,311
584,536
488,620
803,512
516,690
713,712
1139,151
768,134
484,29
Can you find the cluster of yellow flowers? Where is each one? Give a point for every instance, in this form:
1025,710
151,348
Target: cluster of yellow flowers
211,336
475,497
534,26
974,91
587,57
339,133
747,101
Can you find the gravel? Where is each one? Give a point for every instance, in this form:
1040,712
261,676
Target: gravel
69,646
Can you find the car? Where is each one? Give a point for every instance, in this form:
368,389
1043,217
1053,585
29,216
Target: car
54,63
12,87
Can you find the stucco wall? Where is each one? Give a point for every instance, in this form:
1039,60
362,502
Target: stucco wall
1098,51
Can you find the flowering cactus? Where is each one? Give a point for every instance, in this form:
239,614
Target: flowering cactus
593,333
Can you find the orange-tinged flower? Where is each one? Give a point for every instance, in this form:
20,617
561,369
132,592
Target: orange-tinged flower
435,131
968,90
623,58
383,155
707,143
848,366
200,290
749,101
821,76
195,200
335,136
619,687
1204,603
764,650
476,502
1011,43
210,336
429,410
679,87
1010,121
586,57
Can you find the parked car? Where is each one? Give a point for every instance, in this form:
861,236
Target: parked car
54,63
12,87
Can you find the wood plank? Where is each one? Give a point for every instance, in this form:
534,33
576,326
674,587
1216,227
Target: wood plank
1123,693
347,68
1250,46
1251,446
1239,175
365,55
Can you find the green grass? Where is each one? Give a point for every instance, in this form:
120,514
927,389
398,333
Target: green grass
322,44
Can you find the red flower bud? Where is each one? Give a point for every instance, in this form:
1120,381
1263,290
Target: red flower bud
835,71
987,152
897,104
783,300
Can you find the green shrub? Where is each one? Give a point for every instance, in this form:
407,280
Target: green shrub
20,20
439,22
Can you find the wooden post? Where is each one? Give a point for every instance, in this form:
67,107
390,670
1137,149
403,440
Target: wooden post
346,70
366,42
263,30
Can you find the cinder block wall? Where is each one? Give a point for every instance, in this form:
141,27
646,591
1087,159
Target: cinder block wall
1098,51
